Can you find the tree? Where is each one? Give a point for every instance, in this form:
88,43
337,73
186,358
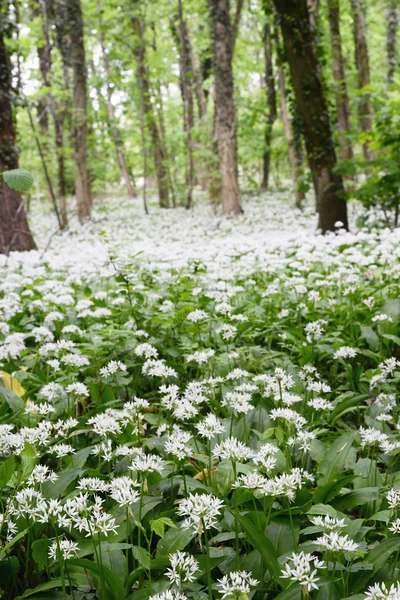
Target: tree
391,39
305,70
159,152
225,111
115,132
363,70
271,103
70,20
339,76
15,234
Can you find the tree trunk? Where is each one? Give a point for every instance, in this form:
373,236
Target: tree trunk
15,234
391,40
271,103
225,117
159,153
363,70
80,134
186,80
339,76
115,132
312,106
295,157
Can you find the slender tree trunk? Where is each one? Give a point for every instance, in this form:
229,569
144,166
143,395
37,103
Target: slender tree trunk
295,157
339,76
312,106
15,234
115,132
271,103
225,117
391,40
159,154
364,79
186,80
80,130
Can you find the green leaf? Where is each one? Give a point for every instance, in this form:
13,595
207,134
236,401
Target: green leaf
142,556
6,471
174,539
19,180
28,461
355,498
369,334
158,525
264,546
336,457
40,551
43,587
113,581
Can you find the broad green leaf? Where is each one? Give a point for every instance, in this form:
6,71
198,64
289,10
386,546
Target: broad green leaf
6,471
356,498
158,525
19,180
142,556
40,551
336,457
116,588
174,539
260,542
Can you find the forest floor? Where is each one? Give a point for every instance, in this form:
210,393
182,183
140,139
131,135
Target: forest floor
201,404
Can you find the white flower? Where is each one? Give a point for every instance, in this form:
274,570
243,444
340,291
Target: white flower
147,463
78,389
177,444
290,416
197,315
66,548
382,317
379,591
122,489
232,449
146,350
239,402
200,510
169,595
210,426
345,352
114,366
201,356
61,450
395,526
393,498
303,568
336,543
227,332
236,584
40,474
328,523
320,404
183,568
104,424
158,368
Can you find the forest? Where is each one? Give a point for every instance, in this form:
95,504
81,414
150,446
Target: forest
199,300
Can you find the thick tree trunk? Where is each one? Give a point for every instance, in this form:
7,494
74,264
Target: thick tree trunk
363,70
295,157
159,153
312,106
115,132
15,234
339,76
225,118
80,133
391,40
271,103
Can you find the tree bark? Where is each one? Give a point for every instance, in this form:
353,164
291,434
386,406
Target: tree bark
363,70
312,106
159,153
391,40
115,132
225,117
186,81
74,26
15,234
295,157
339,76
271,103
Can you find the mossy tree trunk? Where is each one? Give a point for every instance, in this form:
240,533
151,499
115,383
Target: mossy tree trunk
312,106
